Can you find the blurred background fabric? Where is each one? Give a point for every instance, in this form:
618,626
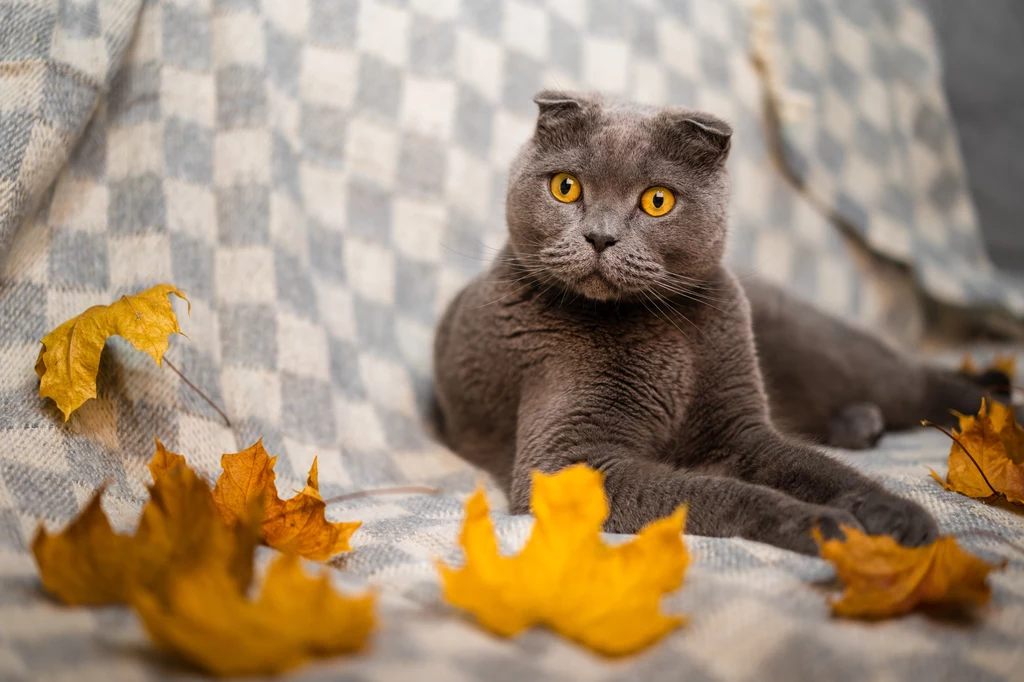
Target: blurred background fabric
875,145
981,52
321,176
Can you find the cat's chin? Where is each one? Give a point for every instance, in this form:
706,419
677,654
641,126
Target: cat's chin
597,288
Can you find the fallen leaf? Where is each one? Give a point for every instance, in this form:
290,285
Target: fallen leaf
968,365
986,458
605,598
88,563
297,524
70,356
181,525
296,618
1007,364
884,578
163,460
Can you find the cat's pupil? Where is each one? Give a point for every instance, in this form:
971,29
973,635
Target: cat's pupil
659,199
565,186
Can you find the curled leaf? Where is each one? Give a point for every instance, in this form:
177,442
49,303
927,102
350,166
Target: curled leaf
566,577
70,356
218,629
883,578
986,458
298,524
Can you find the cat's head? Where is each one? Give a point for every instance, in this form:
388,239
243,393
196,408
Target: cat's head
612,201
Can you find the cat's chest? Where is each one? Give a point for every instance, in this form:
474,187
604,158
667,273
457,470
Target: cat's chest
634,354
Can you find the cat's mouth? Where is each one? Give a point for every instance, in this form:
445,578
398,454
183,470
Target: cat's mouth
604,282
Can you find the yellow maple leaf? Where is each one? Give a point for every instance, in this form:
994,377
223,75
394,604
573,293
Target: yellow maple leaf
883,578
88,563
986,458
70,356
297,524
218,629
605,598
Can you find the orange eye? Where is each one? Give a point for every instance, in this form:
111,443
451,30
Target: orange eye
566,188
657,201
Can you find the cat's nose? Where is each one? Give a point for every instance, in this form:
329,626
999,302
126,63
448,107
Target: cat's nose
600,240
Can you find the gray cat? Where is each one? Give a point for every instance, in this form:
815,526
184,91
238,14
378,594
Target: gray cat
609,332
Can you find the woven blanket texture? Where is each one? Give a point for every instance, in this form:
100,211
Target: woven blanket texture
320,177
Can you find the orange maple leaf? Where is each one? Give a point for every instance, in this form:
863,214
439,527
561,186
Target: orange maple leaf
884,578
1007,364
205,620
986,458
88,563
298,524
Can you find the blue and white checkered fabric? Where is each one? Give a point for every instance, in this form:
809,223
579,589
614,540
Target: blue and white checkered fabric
320,176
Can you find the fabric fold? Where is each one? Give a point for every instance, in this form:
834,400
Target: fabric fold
56,59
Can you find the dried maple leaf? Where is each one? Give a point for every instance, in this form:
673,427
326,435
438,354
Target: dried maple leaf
605,598
181,524
986,458
967,365
296,617
70,356
884,578
297,524
88,563
1007,364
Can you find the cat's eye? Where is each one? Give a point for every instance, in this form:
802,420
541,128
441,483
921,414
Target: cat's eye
657,201
566,188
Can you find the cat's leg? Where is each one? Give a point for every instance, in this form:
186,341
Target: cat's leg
640,491
831,381
763,456
855,427
558,430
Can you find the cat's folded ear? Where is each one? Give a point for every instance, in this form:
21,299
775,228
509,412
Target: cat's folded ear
699,137
562,117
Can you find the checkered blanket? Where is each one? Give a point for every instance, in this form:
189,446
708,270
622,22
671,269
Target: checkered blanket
320,176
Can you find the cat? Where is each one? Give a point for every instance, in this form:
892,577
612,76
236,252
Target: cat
609,332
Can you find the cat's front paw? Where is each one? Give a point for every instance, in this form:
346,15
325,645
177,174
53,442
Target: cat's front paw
882,513
796,532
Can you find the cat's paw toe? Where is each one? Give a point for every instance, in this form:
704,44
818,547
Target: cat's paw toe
884,514
832,521
856,427
796,533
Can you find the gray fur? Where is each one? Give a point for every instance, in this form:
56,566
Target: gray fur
640,360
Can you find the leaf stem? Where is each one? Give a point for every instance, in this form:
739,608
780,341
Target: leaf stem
977,466
196,389
397,490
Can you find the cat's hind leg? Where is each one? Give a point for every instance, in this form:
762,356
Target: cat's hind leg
836,384
857,426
